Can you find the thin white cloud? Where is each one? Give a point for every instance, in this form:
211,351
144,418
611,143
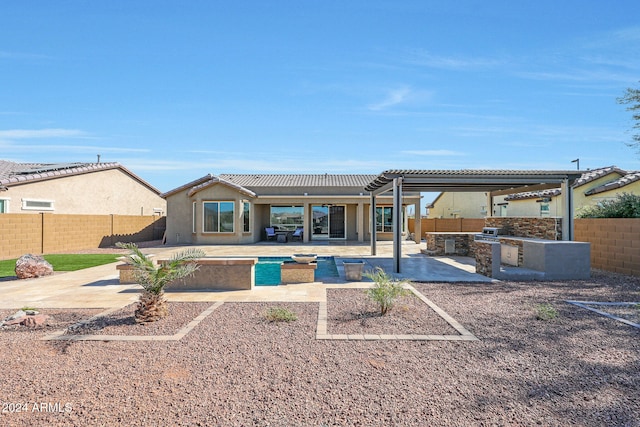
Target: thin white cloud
403,95
393,98
8,146
433,153
21,55
425,59
41,133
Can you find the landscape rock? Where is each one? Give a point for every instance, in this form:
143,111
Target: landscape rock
22,318
35,320
29,266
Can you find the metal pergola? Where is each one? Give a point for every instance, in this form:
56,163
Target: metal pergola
492,181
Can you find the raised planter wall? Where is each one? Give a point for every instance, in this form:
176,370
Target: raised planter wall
226,274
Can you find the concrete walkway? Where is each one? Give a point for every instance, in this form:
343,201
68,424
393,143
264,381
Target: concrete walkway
99,287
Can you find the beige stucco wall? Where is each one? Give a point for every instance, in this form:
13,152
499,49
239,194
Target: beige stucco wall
459,205
528,207
180,214
102,192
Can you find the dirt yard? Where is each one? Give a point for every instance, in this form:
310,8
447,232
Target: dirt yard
237,369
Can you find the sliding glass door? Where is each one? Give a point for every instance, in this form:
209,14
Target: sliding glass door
328,222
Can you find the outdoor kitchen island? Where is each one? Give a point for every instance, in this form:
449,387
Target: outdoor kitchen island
523,258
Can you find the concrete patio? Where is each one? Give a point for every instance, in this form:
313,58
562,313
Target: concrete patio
99,287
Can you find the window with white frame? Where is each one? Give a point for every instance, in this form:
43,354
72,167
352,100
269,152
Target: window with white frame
4,205
193,217
37,205
246,216
218,217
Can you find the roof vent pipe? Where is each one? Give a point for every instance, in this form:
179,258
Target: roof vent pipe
98,158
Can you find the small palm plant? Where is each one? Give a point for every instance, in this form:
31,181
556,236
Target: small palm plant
386,290
152,304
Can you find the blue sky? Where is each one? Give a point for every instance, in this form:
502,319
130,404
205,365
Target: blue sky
174,90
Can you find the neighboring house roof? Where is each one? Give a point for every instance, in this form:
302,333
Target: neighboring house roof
12,173
618,183
552,192
588,176
299,180
594,174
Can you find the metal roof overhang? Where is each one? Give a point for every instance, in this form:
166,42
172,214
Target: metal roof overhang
467,180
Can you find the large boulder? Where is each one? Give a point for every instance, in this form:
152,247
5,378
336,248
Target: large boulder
29,266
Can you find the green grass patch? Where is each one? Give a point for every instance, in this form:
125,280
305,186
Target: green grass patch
63,262
279,314
545,311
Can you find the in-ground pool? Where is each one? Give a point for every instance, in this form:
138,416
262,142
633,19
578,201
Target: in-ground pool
268,269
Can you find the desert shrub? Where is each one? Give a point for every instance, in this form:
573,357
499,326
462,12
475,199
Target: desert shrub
386,290
280,314
625,205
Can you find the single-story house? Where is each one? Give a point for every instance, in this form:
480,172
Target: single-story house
463,204
238,208
592,187
76,188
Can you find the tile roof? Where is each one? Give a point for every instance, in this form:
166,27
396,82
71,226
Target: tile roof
299,180
594,174
618,183
12,173
552,192
217,180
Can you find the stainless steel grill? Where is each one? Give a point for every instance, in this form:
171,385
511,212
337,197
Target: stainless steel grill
489,233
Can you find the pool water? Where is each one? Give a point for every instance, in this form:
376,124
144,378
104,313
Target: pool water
268,269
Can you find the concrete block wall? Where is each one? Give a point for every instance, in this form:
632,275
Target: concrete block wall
615,243
20,234
465,225
50,233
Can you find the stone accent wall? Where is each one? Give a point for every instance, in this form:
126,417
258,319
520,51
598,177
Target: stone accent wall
536,228
464,243
484,258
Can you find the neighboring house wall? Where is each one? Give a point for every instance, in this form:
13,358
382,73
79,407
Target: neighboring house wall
529,207
459,205
109,191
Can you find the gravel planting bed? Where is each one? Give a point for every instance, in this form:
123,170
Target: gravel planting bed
237,369
350,311
122,322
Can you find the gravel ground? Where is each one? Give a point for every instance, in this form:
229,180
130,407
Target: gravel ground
237,369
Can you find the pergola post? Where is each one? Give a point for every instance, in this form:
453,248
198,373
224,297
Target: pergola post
372,222
397,223
567,214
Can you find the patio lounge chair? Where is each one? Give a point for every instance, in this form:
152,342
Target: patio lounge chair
297,234
271,233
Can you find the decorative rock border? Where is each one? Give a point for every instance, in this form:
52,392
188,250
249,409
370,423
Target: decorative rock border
583,304
60,336
465,335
